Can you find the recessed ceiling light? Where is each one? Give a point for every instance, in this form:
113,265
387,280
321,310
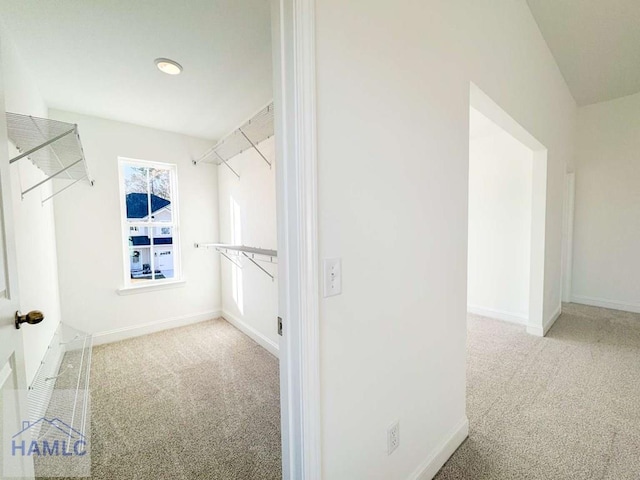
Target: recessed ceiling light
168,66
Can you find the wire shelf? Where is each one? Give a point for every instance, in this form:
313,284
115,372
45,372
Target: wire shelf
60,389
53,146
238,252
248,135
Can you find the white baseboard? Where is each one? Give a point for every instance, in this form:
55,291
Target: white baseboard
498,314
434,462
542,331
271,346
124,333
601,302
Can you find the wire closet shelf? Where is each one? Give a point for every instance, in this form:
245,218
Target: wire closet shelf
259,128
52,146
234,253
59,392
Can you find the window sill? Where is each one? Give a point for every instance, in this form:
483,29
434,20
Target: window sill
150,287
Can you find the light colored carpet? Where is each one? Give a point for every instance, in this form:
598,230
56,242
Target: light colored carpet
562,407
197,402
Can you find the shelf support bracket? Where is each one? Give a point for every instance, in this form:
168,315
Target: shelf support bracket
229,258
255,147
226,164
51,177
258,265
63,189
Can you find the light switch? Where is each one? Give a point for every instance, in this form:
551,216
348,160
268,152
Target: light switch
332,277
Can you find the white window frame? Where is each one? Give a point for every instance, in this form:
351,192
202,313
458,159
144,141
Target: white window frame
126,224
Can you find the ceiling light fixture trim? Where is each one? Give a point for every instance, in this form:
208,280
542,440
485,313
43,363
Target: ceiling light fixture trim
168,66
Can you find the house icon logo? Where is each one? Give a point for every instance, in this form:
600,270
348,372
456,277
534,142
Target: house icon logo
46,437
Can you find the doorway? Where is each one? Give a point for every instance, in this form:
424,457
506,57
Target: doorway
507,215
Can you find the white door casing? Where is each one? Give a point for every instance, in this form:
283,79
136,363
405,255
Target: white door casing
293,24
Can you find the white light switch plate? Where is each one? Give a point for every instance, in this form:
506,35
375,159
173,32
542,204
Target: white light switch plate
332,277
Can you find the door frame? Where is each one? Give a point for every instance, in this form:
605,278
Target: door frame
293,26
567,250
536,323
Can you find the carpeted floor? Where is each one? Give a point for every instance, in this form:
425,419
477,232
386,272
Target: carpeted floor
202,402
562,407
197,402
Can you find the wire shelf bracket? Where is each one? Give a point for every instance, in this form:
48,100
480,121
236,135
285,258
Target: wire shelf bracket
247,136
52,146
253,254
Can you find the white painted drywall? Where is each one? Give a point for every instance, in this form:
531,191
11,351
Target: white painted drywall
255,194
500,182
393,147
88,228
606,263
34,222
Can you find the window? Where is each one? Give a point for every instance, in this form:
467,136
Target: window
236,239
149,221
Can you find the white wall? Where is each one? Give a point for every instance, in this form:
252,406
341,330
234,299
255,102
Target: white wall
606,263
500,182
255,193
393,147
34,222
88,227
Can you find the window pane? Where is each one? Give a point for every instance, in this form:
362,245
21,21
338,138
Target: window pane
136,191
163,259
139,236
160,185
162,236
140,263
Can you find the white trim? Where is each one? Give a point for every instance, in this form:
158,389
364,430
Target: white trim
124,333
150,287
510,317
262,340
5,373
542,331
298,297
604,303
436,459
567,244
174,224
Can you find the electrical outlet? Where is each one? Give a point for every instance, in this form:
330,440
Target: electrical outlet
393,437
332,277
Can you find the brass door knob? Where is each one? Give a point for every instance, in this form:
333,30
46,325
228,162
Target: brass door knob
32,318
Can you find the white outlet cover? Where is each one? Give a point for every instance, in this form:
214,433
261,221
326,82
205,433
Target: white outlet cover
393,437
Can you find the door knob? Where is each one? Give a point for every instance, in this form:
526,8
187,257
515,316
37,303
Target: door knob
33,317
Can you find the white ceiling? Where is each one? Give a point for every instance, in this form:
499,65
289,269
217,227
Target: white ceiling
596,44
97,58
